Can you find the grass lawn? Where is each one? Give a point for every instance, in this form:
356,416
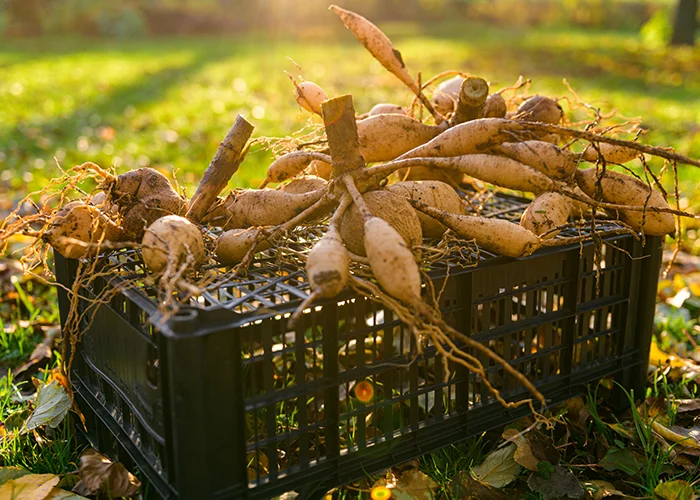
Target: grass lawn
166,103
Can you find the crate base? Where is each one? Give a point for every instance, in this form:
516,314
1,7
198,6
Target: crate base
110,439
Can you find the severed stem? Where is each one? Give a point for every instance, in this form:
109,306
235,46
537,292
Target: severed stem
341,130
471,100
228,158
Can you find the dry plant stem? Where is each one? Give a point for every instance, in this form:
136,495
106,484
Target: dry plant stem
569,240
471,101
498,360
357,197
341,129
444,345
580,134
226,161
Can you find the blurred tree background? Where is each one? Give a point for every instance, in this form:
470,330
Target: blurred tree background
665,21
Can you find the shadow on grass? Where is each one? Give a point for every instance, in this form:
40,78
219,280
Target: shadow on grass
110,107
617,60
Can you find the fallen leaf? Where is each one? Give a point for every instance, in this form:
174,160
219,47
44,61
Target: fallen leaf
623,431
679,299
687,405
683,461
40,355
560,484
543,448
68,481
653,407
577,413
465,487
99,473
58,376
600,489
59,494
8,473
15,421
523,454
411,485
498,468
690,438
52,405
29,487
658,357
674,490
622,459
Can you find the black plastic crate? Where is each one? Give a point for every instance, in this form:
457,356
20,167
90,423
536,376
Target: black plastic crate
223,401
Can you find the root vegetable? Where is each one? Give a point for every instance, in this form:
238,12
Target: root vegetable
495,107
610,152
328,265
496,170
446,94
434,193
391,207
419,173
170,242
392,262
232,246
309,96
578,208
319,169
384,137
260,207
547,211
546,157
378,44
540,109
471,137
292,164
621,189
304,184
77,228
100,200
386,109
495,235
144,195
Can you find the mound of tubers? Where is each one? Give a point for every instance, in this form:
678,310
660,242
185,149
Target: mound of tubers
387,181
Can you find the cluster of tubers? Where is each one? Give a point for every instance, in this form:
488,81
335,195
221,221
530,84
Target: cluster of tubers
381,213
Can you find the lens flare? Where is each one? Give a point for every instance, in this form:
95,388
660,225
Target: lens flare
364,391
380,493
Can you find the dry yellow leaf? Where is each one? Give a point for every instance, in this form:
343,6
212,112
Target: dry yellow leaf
523,454
29,487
